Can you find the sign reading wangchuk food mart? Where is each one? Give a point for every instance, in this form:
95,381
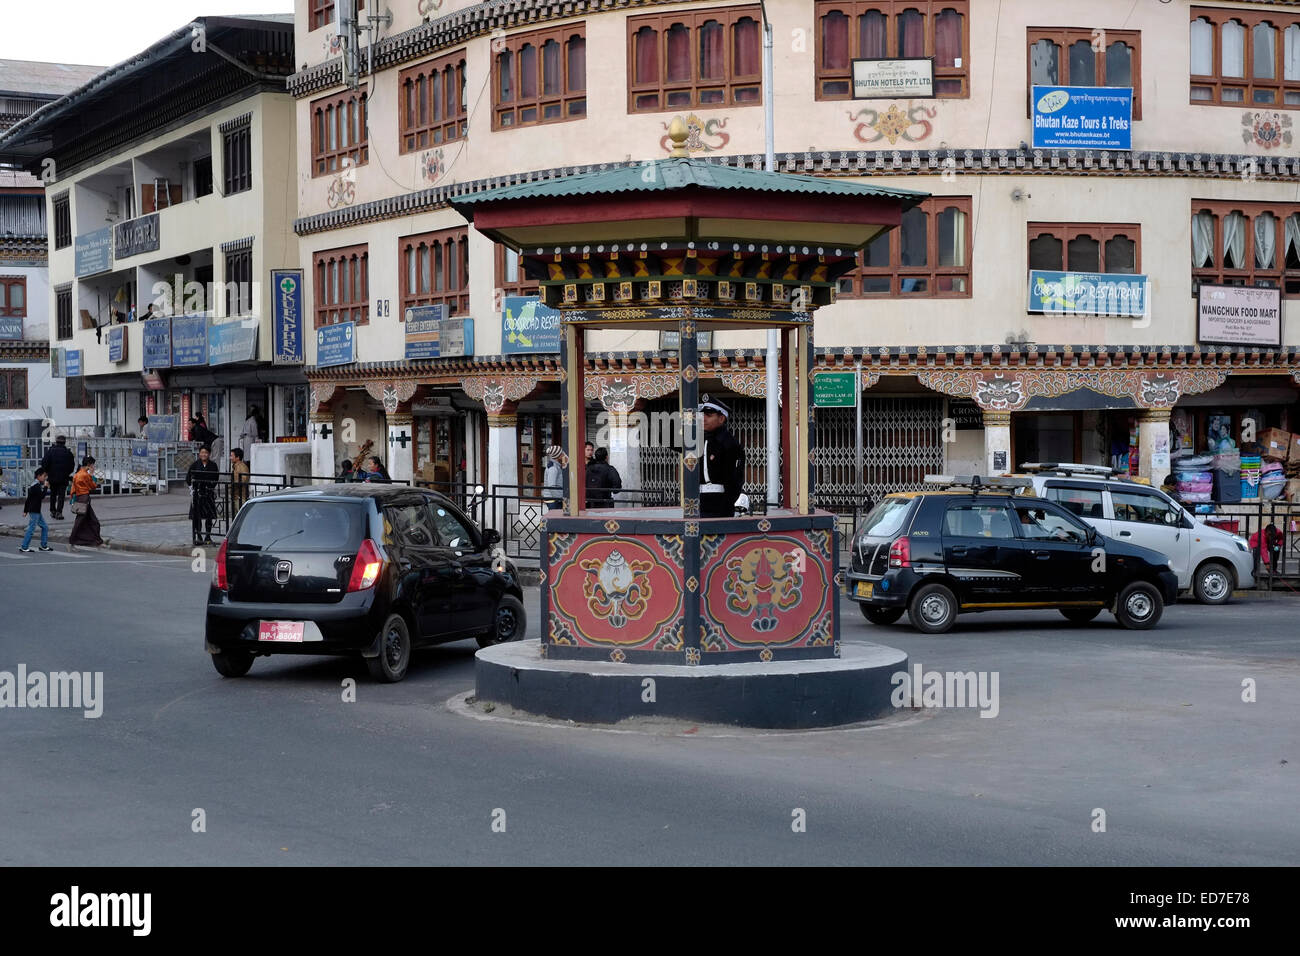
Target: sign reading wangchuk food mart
1082,117
1239,315
135,236
1088,293
896,78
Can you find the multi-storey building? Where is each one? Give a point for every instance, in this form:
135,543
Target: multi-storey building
169,202
976,350
31,392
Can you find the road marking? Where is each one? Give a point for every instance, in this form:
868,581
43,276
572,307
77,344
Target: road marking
12,557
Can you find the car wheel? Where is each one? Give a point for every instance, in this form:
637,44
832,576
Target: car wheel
1139,606
881,615
1213,583
232,663
394,651
509,624
933,609
1080,615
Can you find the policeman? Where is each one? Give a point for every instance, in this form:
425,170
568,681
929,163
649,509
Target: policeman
723,465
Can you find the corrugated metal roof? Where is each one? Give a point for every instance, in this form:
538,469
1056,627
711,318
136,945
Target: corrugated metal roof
668,174
56,79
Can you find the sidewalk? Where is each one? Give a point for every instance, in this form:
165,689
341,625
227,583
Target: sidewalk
153,523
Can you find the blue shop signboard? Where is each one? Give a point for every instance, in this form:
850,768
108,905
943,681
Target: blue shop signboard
1083,117
94,252
336,344
117,343
430,334
72,363
529,326
1088,293
286,300
232,342
157,343
11,327
189,341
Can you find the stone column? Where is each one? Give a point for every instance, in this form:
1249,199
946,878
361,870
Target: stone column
1153,444
503,457
997,443
321,432
401,446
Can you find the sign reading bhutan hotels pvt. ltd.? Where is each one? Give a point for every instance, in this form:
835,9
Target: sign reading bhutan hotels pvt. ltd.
896,78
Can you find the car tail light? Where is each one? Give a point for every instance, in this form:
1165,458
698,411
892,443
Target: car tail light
365,567
222,583
900,554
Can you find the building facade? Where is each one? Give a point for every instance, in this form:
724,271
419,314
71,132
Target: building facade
32,391
169,201
975,347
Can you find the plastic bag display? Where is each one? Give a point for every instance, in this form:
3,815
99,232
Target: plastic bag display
1250,468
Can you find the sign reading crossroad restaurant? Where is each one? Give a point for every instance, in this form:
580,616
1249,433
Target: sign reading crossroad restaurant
910,78
1088,293
1239,315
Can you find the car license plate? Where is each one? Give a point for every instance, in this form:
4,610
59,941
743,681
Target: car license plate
864,589
283,631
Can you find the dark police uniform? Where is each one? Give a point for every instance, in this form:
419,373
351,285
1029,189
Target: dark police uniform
722,473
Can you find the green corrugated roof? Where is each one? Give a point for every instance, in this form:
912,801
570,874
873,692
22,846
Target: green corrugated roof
669,174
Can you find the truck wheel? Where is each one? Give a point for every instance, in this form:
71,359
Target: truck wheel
1212,583
1139,606
1080,615
394,651
933,609
881,615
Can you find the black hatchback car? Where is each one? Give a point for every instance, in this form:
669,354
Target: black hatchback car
360,569
935,554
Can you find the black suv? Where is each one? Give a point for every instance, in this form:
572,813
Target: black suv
360,569
937,553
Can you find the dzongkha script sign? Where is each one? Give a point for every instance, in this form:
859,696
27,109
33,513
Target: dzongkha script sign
1083,117
896,78
1239,315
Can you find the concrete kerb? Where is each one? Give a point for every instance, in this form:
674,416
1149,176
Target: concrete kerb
10,531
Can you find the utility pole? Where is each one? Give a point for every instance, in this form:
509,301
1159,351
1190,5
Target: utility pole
773,337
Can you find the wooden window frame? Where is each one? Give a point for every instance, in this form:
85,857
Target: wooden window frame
320,13
5,283
453,242
62,207
932,273
523,286
512,114
237,160
414,135
1065,37
890,8
1247,83
77,396
63,314
693,20
354,308
1101,231
12,375
329,162
239,270
1288,280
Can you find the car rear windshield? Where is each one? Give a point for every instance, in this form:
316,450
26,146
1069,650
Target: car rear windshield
886,519
300,526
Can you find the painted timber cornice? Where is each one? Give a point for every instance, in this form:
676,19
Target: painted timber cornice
865,163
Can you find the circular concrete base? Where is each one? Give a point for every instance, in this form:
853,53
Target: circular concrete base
788,695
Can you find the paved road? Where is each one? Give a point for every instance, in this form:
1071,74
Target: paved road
1149,727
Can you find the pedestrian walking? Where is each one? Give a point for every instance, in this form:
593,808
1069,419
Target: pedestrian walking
85,526
59,464
36,492
553,478
602,480
202,479
238,479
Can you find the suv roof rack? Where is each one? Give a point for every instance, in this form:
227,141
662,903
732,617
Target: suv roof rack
1070,468
976,483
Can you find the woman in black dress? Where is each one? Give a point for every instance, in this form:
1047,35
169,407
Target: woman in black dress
202,479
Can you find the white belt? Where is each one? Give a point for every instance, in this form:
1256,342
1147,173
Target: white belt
712,490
